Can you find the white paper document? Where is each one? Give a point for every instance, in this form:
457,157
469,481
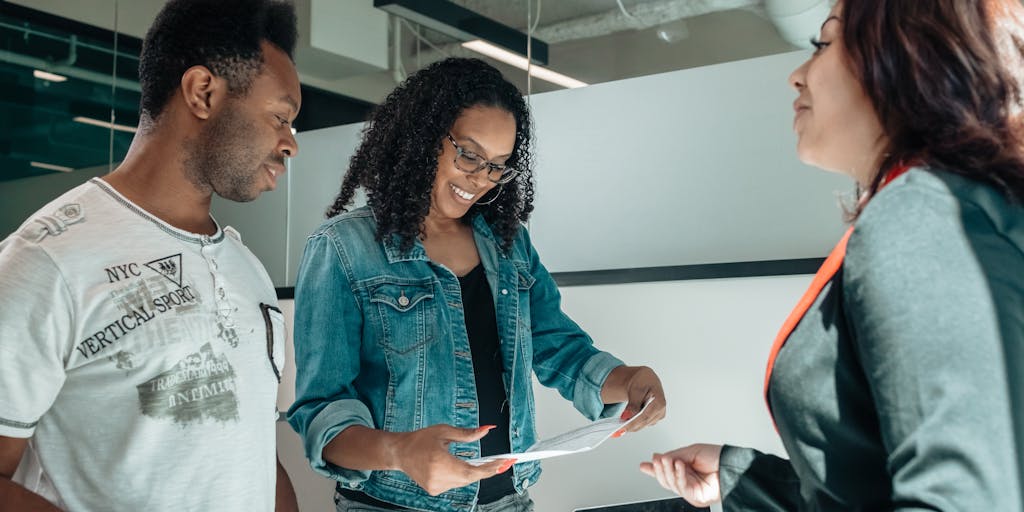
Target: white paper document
577,440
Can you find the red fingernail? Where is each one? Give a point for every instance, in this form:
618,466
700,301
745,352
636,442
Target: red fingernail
485,427
627,414
619,433
504,467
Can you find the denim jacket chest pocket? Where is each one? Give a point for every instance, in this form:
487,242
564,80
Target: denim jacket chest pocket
407,314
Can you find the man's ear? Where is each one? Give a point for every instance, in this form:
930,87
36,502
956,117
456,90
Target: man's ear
202,91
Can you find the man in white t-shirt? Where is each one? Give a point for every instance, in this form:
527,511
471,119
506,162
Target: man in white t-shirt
140,342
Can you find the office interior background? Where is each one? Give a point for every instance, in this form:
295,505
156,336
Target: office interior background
670,203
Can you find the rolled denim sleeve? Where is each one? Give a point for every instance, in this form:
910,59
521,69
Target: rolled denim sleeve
564,356
587,395
328,323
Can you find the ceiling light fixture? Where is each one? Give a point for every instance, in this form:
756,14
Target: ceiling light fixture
463,24
104,124
50,167
46,75
510,58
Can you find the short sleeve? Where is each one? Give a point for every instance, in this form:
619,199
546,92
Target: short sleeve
36,319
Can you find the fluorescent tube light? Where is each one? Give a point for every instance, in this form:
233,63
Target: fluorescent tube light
104,124
46,75
456,21
50,167
494,52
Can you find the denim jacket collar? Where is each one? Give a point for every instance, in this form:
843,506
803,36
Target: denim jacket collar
393,245
393,242
394,252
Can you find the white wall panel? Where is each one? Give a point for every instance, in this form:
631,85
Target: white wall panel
693,166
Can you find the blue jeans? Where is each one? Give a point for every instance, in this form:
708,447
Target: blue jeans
510,503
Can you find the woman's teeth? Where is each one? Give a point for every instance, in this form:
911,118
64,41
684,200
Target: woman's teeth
462,193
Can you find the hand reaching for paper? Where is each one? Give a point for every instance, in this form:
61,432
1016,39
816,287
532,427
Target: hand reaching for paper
691,472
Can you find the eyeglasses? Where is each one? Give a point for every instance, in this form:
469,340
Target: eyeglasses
471,163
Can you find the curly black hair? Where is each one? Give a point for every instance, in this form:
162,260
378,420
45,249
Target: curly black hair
223,35
396,163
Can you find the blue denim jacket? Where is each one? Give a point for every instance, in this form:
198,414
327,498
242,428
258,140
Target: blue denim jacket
380,341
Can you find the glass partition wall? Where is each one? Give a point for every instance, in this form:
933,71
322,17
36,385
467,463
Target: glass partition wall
69,97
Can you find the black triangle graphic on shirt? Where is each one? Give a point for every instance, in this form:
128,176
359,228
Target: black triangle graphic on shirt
169,267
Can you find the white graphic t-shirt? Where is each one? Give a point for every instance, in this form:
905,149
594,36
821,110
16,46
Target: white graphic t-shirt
141,360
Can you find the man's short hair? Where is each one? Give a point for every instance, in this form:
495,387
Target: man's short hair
223,35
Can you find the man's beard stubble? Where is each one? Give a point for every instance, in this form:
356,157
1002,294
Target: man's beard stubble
223,160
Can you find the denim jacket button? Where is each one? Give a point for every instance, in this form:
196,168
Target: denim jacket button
504,291
403,301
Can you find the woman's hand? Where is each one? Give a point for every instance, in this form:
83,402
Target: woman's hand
423,455
691,472
636,385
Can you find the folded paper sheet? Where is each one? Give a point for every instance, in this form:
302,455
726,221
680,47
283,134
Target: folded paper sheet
577,440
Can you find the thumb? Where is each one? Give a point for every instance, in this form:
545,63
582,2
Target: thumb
635,404
466,435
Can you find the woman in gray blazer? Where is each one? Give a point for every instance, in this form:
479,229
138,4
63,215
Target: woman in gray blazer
895,383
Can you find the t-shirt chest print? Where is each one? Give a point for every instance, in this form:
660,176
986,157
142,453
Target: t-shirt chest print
157,306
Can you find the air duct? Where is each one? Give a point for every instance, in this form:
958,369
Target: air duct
641,16
798,20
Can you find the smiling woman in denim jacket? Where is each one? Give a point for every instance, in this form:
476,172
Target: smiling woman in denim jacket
421,318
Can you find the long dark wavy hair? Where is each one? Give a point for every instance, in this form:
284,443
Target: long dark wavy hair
940,74
397,160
